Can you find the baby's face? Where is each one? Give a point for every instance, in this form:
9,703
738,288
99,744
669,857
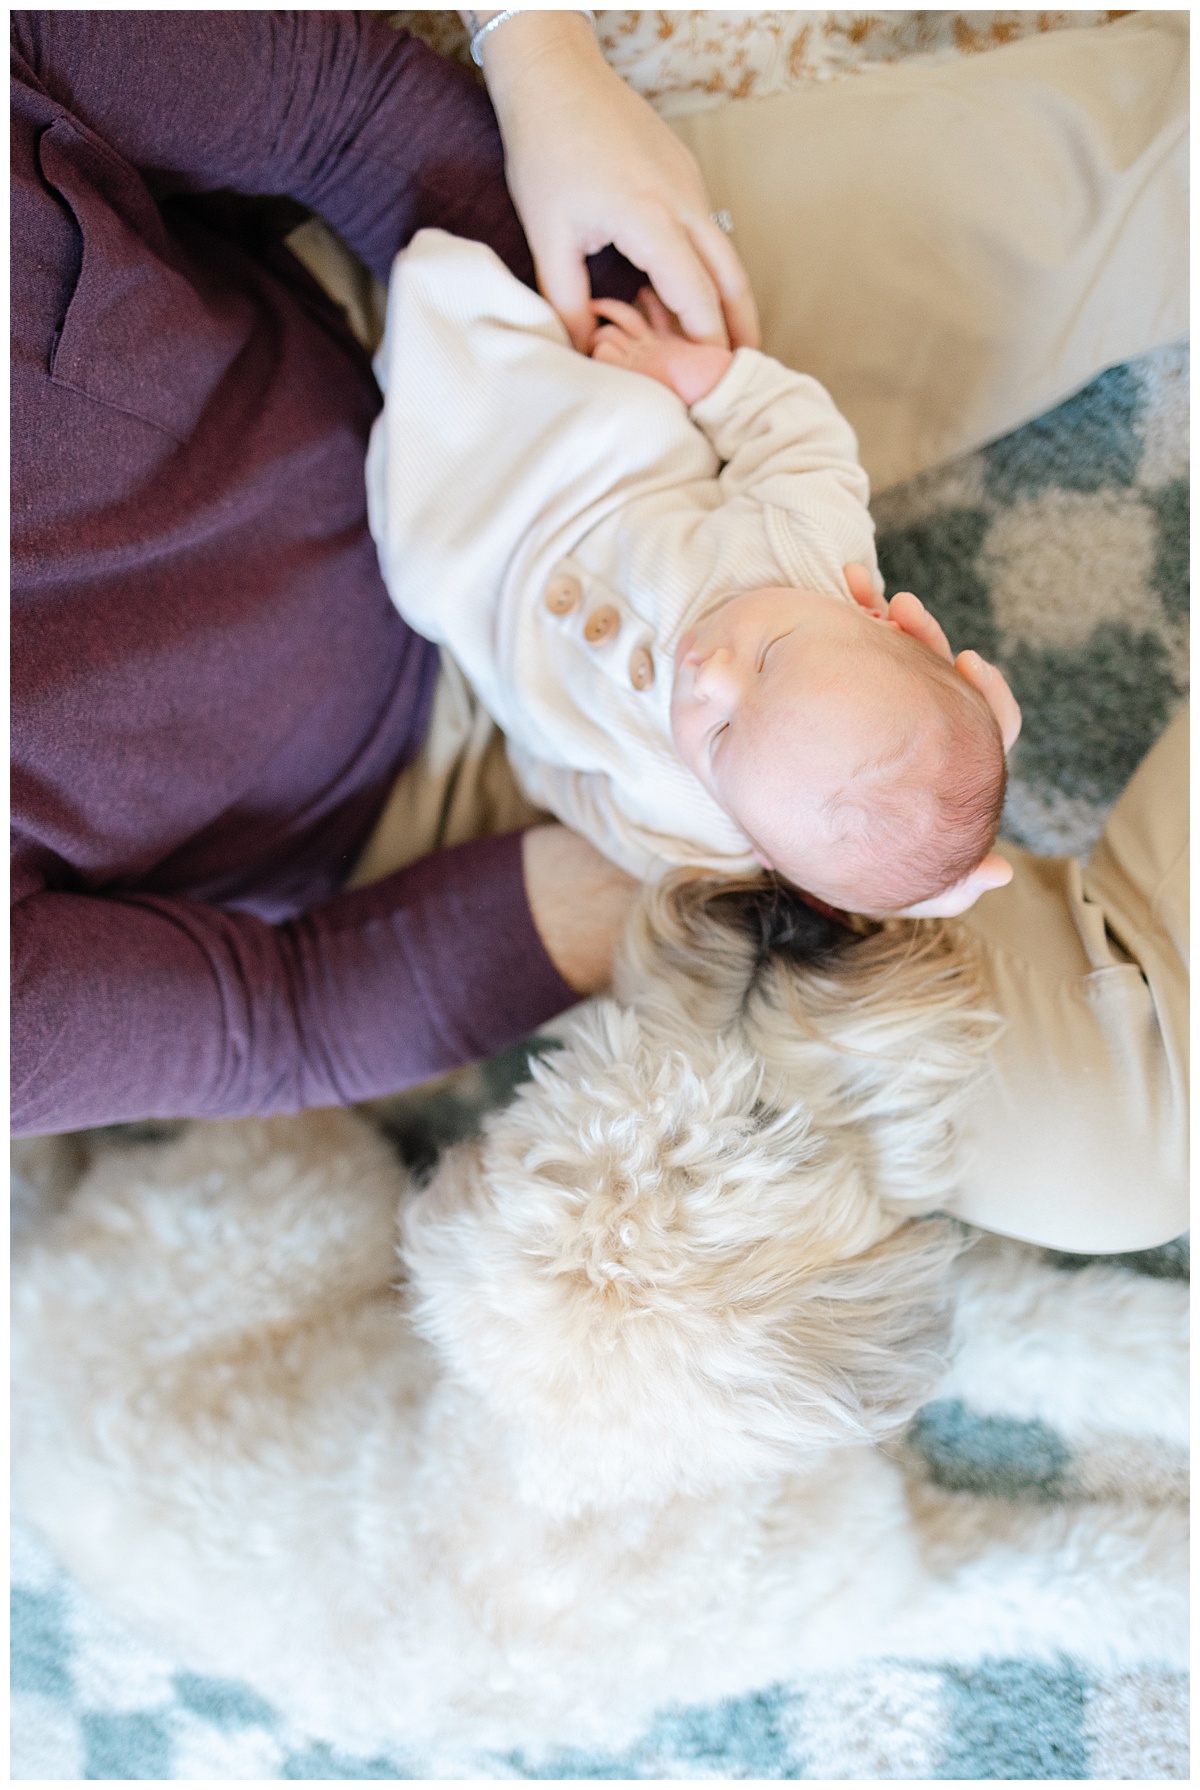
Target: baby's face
783,705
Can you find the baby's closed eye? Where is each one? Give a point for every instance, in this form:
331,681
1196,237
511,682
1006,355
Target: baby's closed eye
762,657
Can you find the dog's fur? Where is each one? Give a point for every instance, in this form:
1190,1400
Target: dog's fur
680,1259
609,1443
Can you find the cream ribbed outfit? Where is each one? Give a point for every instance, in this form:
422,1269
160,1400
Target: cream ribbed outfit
557,524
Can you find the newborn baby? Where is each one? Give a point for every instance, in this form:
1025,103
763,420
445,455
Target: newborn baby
657,569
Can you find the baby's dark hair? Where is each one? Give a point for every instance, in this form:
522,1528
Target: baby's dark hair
963,817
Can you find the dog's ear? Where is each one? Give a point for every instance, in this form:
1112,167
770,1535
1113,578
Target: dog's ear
703,940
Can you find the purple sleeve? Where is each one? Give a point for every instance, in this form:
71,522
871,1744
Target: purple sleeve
360,122
140,1007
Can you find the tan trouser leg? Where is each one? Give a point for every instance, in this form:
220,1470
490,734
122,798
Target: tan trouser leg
1079,1138
460,786
348,282
952,249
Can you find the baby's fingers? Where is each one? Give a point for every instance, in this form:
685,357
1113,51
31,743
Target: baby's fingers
624,316
610,346
656,313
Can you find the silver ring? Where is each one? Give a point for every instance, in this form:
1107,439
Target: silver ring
723,220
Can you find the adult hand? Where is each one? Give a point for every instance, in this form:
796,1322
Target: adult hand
579,902
909,614
993,872
588,163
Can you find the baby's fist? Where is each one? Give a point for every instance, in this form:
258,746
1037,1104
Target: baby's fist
645,339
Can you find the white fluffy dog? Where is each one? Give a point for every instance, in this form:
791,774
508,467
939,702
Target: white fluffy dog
609,1444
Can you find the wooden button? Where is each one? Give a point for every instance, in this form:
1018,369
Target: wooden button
563,594
600,624
641,668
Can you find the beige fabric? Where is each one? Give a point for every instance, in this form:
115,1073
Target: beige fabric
1079,1139
953,249
348,282
459,786
506,467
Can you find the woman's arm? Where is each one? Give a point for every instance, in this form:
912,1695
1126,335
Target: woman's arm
588,162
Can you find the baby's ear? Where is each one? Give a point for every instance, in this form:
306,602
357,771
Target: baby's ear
992,873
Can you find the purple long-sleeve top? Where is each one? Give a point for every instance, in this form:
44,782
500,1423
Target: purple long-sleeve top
211,691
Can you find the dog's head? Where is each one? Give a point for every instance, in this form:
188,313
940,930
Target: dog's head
671,1262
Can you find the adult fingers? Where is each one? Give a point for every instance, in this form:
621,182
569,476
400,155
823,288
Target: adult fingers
563,282
732,281
656,313
910,614
990,682
653,239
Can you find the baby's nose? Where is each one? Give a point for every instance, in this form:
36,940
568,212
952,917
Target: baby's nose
713,674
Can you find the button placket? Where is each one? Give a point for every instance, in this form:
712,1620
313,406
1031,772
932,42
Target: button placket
602,624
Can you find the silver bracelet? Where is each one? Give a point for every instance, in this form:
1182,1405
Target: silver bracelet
510,12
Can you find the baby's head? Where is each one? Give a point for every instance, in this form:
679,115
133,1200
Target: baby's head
860,763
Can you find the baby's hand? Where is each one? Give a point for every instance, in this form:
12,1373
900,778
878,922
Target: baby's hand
645,339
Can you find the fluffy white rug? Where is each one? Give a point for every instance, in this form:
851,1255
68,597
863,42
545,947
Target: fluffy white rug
597,1456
